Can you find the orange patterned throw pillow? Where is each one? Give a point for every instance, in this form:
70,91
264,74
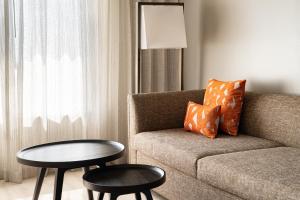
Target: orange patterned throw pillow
202,119
229,95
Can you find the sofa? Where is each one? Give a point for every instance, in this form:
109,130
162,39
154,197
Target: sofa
261,163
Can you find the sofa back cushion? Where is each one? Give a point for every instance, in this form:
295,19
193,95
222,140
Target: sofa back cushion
157,111
272,116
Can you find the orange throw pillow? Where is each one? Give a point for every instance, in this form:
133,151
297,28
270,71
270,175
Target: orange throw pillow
230,96
202,119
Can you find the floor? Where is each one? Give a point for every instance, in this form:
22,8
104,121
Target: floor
72,189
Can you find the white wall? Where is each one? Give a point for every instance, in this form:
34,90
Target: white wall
192,60
257,40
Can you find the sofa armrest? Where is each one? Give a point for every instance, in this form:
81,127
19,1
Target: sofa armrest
157,111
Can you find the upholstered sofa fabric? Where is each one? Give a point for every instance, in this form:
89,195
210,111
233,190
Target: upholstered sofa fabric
181,150
272,116
258,174
156,111
179,186
249,166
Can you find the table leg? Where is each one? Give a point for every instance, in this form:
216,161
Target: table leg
148,194
113,196
90,192
101,196
39,183
138,196
58,185
102,165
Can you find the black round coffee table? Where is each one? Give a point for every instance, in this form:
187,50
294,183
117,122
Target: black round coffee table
67,155
124,179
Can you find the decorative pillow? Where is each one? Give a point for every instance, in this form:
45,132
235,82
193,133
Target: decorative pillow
230,96
202,119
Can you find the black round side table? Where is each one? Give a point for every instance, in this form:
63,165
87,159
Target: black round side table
67,155
124,179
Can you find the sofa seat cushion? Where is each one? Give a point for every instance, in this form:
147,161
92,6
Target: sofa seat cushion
181,150
263,174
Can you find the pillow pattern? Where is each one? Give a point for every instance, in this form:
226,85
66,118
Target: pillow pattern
230,96
202,119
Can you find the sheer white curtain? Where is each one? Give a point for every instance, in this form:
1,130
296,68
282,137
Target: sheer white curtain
9,123
2,84
109,50
69,76
53,51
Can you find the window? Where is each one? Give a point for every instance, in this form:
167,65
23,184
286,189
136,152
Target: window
53,59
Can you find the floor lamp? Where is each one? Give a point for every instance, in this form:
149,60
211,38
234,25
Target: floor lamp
159,26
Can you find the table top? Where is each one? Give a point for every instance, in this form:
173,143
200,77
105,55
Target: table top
123,179
71,153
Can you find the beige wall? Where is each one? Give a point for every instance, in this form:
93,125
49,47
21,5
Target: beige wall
192,58
257,40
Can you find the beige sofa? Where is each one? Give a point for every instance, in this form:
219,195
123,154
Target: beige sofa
262,162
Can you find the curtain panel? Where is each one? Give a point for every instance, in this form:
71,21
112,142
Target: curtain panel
65,74
3,60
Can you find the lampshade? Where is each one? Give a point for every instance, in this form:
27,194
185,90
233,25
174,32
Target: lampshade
162,27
